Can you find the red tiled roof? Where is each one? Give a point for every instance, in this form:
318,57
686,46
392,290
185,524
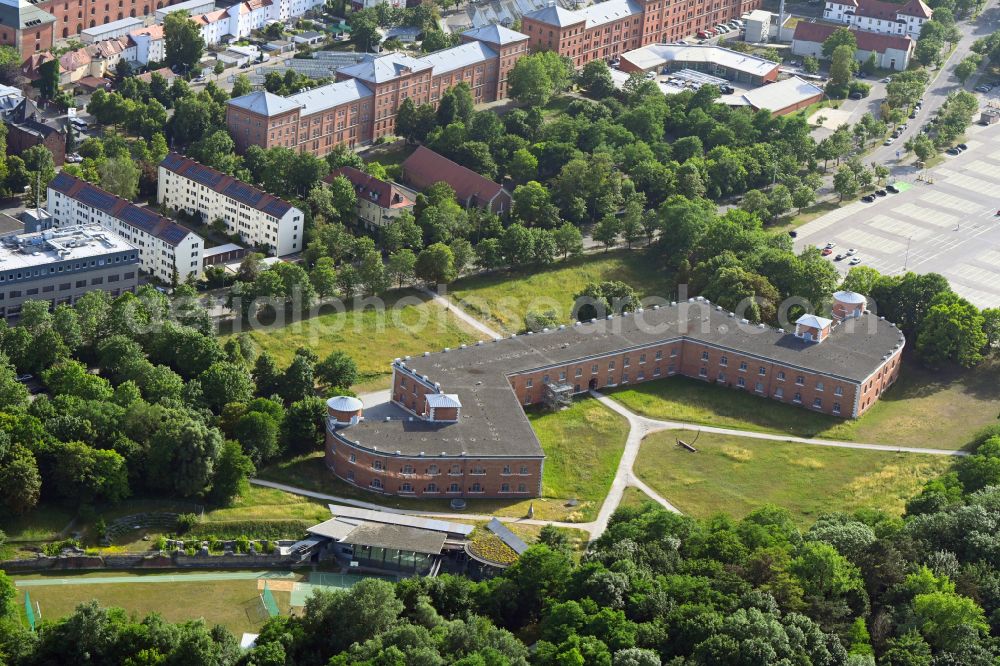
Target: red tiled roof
75,59
867,41
154,31
916,8
165,72
425,167
383,194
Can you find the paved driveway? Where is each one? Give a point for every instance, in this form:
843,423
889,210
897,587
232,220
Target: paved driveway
945,224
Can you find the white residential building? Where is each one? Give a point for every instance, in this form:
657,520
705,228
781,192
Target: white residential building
239,20
885,18
260,219
146,45
167,250
110,30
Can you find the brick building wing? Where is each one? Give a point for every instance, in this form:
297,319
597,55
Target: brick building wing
425,167
481,443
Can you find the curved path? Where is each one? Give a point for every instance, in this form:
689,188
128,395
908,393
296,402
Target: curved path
639,427
654,425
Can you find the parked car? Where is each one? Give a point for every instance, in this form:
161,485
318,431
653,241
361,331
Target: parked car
952,151
851,252
855,95
831,245
855,261
962,146
983,88
892,189
793,233
826,252
880,193
889,141
839,257
868,198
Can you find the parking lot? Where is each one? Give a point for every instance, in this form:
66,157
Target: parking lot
945,222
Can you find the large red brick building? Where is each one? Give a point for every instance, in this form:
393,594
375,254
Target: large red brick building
456,425
361,106
605,30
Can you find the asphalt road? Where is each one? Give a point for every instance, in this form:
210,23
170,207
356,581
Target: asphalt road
939,89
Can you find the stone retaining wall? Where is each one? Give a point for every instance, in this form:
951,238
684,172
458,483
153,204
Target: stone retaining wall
146,561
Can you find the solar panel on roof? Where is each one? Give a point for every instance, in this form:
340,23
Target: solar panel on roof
62,181
172,161
251,196
172,233
139,217
204,175
94,197
276,208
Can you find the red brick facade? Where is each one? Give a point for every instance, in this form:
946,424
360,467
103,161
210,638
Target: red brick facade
646,22
364,120
74,17
503,476
432,475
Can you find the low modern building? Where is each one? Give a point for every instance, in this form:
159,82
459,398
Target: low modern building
758,26
167,251
714,60
605,30
61,265
26,127
119,28
379,202
260,219
886,18
361,106
458,428
890,51
385,540
783,97
425,167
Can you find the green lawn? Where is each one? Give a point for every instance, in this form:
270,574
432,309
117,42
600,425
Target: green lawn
583,444
502,298
961,402
409,324
235,604
734,475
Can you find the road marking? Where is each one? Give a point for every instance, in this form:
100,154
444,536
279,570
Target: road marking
857,237
950,201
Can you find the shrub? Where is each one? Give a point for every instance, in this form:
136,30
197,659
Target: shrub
186,522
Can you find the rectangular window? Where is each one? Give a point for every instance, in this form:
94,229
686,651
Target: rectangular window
659,354
838,391
759,388
836,408
779,393
593,369
781,376
743,366
817,403
800,381
762,371
819,386
704,356
703,372
530,382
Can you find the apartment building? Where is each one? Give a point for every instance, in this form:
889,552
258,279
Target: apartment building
379,202
605,30
890,51
886,18
61,265
457,426
361,106
239,20
260,219
167,251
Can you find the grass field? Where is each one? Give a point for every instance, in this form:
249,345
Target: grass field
734,475
408,324
961,403
235,604
583,443
502,298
